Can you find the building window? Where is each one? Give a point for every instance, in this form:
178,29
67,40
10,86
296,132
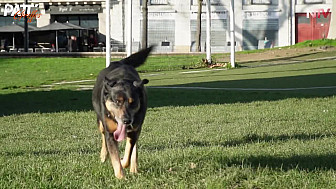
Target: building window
256,30
261,2
313,1
219,28
158,2
161,32
212,2
8,20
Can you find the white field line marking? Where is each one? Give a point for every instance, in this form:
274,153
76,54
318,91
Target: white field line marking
72,82
155,74
245,89
200,71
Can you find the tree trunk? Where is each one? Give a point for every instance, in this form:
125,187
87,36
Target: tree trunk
199,26
144,39
332,29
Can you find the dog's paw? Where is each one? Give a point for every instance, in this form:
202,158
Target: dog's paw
102,159
103,156
120,175
134,169
124,163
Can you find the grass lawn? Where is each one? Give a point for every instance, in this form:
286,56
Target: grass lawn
191,138
32,72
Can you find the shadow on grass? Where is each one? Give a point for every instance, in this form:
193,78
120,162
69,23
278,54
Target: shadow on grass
311,162
70,100
186,97
254,138
287,58
48,152
302,162
45,102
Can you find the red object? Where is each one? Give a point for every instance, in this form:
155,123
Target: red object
312,28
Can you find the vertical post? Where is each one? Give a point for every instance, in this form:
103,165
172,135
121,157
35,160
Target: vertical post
290,16
232,33
199,26
208,32
108,33
56,47
144,32
332,26
129,28
13,41
26,35
292,23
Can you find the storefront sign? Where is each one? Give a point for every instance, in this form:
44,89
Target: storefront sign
78,9
256,15
317,13
220,15
19,11
313,1
161,15
261,2
158,2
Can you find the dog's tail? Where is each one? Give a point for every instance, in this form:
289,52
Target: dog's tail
137,59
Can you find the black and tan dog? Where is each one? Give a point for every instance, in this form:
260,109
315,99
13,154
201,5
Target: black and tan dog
120,101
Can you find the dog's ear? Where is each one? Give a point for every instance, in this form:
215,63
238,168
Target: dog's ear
140,83
137,59
108,84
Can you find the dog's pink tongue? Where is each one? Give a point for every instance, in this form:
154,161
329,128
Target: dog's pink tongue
120,133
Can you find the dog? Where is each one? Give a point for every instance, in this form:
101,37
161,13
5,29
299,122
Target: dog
119,99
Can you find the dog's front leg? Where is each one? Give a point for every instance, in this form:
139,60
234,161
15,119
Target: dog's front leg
129,148
134,160
113,150
130,156
103,152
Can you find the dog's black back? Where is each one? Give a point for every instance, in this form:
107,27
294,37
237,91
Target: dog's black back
120,101
121,71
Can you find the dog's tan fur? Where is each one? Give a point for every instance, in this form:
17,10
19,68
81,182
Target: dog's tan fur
120,102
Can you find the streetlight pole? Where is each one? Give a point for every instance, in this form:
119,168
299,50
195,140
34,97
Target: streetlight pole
108,33
208,31
232,31
26,35
129,27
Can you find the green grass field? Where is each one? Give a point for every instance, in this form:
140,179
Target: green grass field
192,138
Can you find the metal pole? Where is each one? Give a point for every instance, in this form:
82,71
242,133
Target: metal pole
232,31
56,42
13,41
129,28
208,32
108,34
26,35
332,28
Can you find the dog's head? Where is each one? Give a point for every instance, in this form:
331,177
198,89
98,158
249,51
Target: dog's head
122,100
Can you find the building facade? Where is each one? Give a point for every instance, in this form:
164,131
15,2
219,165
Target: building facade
172,23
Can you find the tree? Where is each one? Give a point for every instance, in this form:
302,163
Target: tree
199,26
144,39
332,29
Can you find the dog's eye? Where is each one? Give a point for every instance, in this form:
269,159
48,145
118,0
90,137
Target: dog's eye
117,102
